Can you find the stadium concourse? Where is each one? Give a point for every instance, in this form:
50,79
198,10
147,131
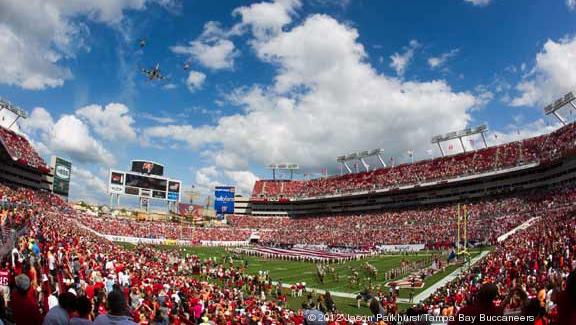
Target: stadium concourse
58,269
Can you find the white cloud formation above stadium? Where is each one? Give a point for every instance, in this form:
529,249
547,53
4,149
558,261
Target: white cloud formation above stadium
400,61
438,61
480,3
195,80
326,99
553,74
71,135
211,49
32,55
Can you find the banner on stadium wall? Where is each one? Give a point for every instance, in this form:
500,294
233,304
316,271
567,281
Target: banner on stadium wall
219,243
62,174
190,210
401,248
224,200
151,241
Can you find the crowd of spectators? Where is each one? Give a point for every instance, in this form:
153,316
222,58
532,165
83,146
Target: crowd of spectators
542,148
434,226
60,273
20,150
528,273
162,230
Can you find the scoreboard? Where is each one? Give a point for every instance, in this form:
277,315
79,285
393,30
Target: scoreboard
144,186
147,167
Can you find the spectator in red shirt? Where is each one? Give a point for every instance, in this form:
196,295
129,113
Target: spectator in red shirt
567,302
484,304
24,306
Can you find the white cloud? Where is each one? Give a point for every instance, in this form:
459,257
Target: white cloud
111,122
39,119
571,4
326,100
515,132
159,119
71,136
226,159
169,86
212,49
68,136
400,61
553,74
195,80
438,61
206,179
36,36
480,3
87,186
483,96
267,19
243,180
194,137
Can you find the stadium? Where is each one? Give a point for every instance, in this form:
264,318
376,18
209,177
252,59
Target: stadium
428,234
482,231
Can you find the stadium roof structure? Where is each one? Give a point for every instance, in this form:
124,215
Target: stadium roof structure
283,166
481,129
359,156
553,108
7,105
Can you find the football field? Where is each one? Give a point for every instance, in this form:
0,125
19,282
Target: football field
290,272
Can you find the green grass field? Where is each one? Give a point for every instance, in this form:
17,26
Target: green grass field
292,272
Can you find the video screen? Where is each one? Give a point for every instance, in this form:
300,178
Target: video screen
147,167
132,191
117,178
173,186
146,182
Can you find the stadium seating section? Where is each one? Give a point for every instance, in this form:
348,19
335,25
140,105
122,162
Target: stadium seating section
542,148
50,249
54,252
21,151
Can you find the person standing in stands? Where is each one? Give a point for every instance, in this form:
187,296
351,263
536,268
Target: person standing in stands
60,314
25,310
117,311
484,304
82,308
567,301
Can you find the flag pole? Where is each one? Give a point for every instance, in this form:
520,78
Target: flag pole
458,231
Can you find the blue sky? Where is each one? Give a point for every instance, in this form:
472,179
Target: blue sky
276,81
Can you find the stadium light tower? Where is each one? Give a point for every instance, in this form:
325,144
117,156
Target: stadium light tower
359,157
342,161
553,108
481,129
283,166
20,113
